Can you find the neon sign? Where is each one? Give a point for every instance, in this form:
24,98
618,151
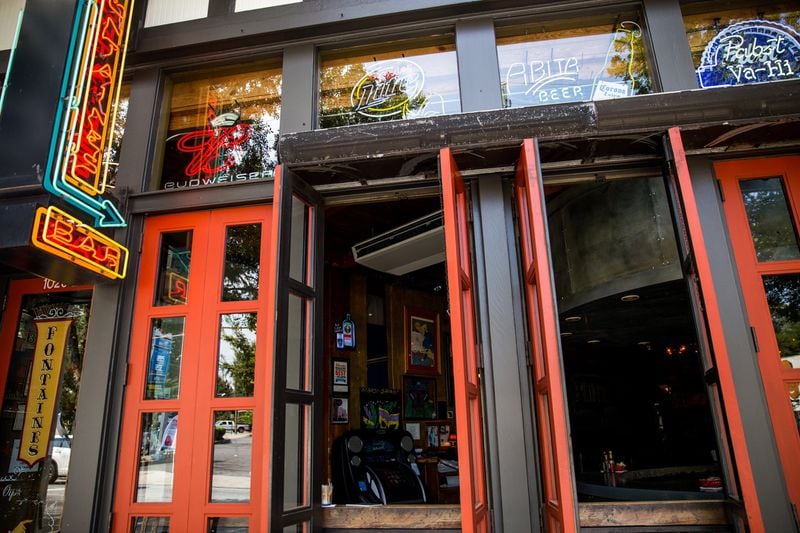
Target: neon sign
58,233
208,147
750,51
76,170
387,89
177,287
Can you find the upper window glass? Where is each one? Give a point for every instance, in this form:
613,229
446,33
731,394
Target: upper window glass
743,42
222,129
589,58
388,83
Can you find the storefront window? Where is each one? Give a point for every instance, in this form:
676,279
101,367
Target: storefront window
744,42
222,129
573,61
39,407
378,83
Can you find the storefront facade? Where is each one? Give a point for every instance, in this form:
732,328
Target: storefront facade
555,242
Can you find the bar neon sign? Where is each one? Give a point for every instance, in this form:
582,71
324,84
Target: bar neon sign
58,233
77,172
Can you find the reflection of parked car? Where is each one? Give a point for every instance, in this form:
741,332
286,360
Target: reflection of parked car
230,425
59,458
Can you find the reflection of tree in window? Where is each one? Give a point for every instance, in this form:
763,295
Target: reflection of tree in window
242,250
73,364
783,296
768,216
237,369
629,63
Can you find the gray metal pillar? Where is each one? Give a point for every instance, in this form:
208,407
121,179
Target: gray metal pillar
478,72
298,104
508,408
668,45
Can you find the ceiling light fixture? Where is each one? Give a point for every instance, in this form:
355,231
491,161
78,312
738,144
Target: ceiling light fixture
630,298
572,319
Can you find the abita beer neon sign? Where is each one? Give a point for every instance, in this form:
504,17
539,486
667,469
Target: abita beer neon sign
76,169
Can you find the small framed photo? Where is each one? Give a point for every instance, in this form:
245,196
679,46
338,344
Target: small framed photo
419,398
422,341
340,413
340,375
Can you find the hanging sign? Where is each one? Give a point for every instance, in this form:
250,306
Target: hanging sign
76,170
51,342
58,233
750,51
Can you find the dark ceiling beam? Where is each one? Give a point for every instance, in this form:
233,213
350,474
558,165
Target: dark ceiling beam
606,118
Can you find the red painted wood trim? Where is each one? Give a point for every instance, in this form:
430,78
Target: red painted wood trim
717,333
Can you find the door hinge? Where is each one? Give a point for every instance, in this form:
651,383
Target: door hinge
720,191
755,338
528,358
479,347
711,376
127,373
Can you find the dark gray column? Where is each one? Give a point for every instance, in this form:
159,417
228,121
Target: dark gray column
762,452
299,94
509,428
87,502
478,72
668,45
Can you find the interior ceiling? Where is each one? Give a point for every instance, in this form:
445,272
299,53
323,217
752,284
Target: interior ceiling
661,316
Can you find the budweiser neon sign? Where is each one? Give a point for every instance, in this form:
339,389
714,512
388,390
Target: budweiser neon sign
56,232
77,171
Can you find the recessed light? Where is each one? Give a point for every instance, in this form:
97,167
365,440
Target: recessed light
566,333
593,341
572,319
630,298
643,343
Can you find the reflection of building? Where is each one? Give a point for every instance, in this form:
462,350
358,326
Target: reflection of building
615,320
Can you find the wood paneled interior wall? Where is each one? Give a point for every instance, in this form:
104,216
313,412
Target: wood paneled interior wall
346,292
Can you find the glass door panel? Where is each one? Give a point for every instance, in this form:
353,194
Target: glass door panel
198,370
297,409
762,209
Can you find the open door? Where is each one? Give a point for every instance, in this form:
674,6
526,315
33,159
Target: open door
716,331
294,331
560,509
474,505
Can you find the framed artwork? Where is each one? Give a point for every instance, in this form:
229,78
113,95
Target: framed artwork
419,398
422,342
340,375
380,408
340,413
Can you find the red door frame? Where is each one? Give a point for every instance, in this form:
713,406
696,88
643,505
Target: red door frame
460,286
774,376
691,215
196,403
551,409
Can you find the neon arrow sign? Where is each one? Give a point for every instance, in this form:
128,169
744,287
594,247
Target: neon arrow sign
76,171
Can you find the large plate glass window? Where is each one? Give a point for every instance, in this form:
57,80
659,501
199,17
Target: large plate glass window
223,128
573,60
388,82
743,41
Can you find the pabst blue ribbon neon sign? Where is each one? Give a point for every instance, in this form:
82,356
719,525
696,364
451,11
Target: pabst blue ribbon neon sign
387,89
751,51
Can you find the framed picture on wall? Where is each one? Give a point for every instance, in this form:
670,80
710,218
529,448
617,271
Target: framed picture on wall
340,413
422,344
419,398
340,375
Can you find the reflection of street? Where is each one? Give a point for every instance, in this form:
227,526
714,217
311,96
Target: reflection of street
231,469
